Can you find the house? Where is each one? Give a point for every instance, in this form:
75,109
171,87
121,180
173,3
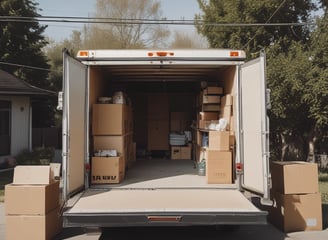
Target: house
16,97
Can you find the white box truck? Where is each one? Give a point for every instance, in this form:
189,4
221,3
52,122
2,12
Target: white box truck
163,192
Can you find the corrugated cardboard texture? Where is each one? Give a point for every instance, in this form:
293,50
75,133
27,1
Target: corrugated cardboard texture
31,199
107,170
32,175
294,177
218,140
219,167
296,212
36,227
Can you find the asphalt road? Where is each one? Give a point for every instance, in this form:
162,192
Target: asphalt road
267,232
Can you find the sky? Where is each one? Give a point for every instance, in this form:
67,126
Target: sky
172,9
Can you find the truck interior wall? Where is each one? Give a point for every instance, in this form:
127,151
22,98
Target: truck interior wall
180,97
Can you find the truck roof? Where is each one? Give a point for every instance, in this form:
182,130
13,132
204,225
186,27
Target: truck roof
208,54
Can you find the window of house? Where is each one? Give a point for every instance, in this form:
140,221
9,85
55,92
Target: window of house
5,127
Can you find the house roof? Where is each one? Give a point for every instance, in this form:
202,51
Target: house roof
11,85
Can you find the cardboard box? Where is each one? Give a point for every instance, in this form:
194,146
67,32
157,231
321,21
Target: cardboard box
107,170
158,135
218,140
208,116
294,177
118,143
186,152
226,113
36,227
213,90
31,199
38,174
226,100
219,167
110,119
211,107
175,152
296,212
211,99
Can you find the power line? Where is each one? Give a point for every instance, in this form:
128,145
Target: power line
123,21
27,66
267,23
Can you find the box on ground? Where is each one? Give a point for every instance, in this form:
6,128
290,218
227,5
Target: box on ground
107,170
110,119
219,167
34,174
181,152
294,177
218,140
36,227
31,199
296,212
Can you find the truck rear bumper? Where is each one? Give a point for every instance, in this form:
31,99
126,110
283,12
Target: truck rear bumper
167,219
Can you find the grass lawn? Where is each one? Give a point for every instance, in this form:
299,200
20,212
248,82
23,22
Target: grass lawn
5,178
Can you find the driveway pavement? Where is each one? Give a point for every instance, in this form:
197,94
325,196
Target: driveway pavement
267,232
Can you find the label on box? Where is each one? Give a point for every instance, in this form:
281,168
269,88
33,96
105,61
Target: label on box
311,222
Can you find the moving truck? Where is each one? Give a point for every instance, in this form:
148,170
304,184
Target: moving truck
160,92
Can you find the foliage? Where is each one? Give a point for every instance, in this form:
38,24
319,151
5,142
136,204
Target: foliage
22,42
185,40
253,39
27,157
126,35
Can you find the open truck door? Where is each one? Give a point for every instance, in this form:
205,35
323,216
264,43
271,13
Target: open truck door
254,128
74,125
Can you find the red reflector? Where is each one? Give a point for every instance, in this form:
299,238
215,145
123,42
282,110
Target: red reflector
234,54
87,166
239,166
83,54
161,54
150,54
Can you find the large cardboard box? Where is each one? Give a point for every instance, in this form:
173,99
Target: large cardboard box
294,177
226,113
158,135
110,119
186,152
38,174
31,199
175,152
296,212
118,143
218,140
107,170
219,167
36,227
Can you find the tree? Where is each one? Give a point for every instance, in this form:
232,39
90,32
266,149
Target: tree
21,43
122,34
185,40
253,39
21,47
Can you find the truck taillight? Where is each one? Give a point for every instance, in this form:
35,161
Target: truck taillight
83,53
160,54
239,168
234,54
87,167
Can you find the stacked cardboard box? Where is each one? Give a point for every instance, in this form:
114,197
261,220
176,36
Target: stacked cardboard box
295,192
32,205
112,129
211,98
